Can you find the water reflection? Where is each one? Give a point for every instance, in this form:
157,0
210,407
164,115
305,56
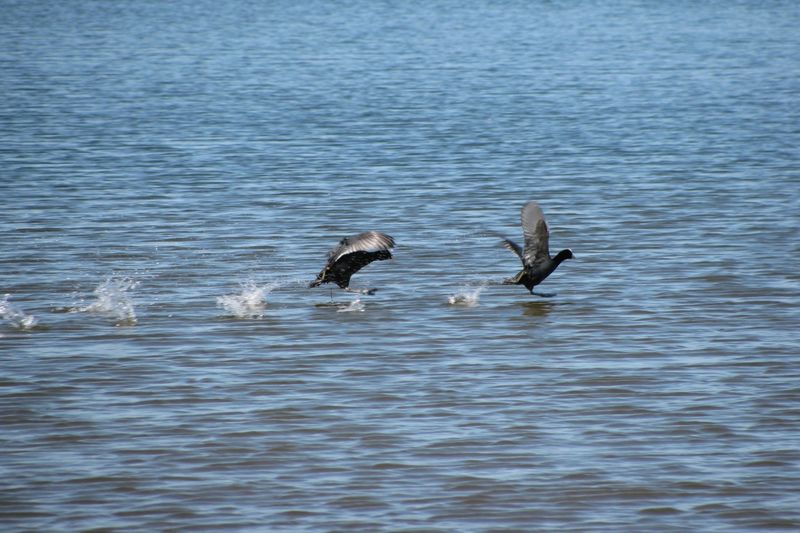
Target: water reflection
537,308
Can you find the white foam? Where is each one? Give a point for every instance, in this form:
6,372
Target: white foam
250,302
466,296
355,306
16,316
114,299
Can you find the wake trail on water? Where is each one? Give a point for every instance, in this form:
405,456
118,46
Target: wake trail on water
16,316
113,299
355,306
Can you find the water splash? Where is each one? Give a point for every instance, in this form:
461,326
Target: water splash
113,299
355,306
16,316
249,303
466,296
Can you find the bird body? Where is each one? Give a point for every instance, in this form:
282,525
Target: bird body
535,255
351,255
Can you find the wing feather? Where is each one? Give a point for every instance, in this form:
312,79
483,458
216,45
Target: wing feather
514,247
369,241
536,233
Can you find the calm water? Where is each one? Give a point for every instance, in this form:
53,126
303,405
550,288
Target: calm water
172,176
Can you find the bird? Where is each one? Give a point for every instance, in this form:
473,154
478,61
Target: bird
351,255
535,256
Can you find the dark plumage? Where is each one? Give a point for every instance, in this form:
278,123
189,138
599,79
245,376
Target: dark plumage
535,256
351,255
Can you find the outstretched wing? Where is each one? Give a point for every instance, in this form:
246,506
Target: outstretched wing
536,233
369,241
514,247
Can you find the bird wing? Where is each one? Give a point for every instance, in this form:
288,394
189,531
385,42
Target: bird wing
536,233
369,241
514,247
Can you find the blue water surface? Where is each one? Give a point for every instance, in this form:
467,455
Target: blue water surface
172,175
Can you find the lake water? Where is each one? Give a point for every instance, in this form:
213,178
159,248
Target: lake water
173,174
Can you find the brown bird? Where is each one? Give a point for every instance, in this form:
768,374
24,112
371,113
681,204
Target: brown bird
351,255
535,256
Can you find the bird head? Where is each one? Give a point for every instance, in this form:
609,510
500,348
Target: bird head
564,254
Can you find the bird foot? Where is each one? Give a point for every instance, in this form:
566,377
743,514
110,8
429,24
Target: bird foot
544,294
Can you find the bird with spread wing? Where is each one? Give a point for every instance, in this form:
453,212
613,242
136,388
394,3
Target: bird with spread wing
351,255
535,255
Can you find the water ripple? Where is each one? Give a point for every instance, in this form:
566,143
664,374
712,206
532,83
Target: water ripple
181,170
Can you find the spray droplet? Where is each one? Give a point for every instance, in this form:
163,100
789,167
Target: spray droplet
16,316
467,296
113,299
250,302
355,306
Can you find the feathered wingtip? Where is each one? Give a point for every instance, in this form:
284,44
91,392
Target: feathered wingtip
511,245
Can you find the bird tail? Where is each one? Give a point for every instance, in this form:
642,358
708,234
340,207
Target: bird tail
515,280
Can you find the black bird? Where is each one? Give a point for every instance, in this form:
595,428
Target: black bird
536,261
351,255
